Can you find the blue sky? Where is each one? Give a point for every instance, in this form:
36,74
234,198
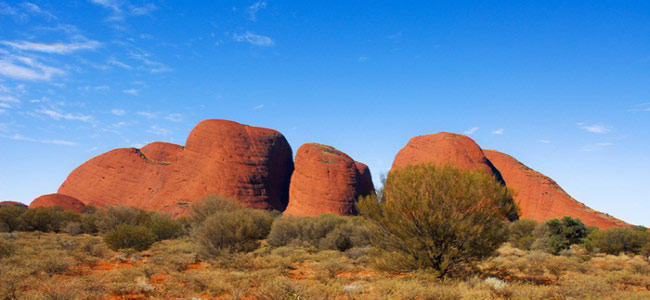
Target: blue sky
564,86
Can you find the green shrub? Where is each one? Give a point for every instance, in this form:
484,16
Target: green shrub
126,236
112,217
232,231
330,232
437,218
200,211
521,233
10,218
89,223
559,234
44,219
164,227
617,240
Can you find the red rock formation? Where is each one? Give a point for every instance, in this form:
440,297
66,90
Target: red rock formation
60,200
221,157
12,203
540,198
325,181
445,148
366,187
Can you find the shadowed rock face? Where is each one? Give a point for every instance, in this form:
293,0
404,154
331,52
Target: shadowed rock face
250,164
445,148
63,201
326,181
540,198
12,203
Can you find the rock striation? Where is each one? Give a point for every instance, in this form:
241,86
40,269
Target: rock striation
326,181
58,200
250,164
540,198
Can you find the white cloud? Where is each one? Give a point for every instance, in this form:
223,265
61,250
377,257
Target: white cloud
174,117
64,116
118,112
471,130
19,137
58,48
258,107
159,131
641,107
33,8
120,9
113,61
254,39
133,92
146,114
26,68
363,58
545,141
595,147
498,131
254,9
151,65
594,128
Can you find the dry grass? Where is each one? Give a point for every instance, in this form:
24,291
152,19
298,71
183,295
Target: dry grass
61,266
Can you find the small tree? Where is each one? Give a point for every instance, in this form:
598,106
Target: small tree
10,218
110,218
44,219
617,240
437,218
559,234
521,233
128,236
164,227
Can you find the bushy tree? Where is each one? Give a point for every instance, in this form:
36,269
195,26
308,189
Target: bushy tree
44,219
126,236
521,233
559,234
164,227
621,239
223,226
330,232
437,218
111,217
10,218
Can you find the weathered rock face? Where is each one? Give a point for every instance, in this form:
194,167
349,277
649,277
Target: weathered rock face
250,164
325,181
540,198
445,148
61,200
366,187
12,203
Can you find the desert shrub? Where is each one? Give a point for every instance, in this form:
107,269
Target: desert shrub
205,208
329,232
44,219
437,218
617,240
559,234
164,227
10,218
6,248
521,233
88,223
115,216
129,236
239,230
73,228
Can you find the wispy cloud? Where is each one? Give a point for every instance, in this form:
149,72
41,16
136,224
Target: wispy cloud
254,39
56,115
471,130
58,48
594,128
254,9
35,9
121,9
595,147
26,68
133,92
159,131
258,107
118,112
641,107
149,64
174,117
146,114
498,131
19,137
363,58
545,141
113,61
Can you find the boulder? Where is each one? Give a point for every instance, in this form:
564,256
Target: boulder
12,203
250,164
326,181
540,198
58,200
445,149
